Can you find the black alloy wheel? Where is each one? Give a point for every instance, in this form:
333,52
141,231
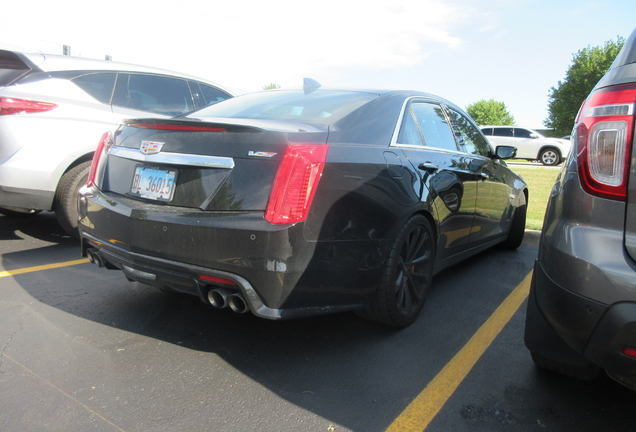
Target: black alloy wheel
406,277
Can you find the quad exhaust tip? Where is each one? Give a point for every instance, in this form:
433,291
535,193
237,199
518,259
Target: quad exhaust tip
219,297
222,297
237,303
93,257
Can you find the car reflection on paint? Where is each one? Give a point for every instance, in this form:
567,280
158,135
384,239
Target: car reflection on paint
293,203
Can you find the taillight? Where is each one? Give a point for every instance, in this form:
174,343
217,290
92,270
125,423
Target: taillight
23,106
629,352
295,183
98,158
602,138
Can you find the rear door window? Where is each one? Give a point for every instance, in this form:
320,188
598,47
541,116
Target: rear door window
425,124
434,126
98,85
504,132
212,95
206,95
410,132
153,93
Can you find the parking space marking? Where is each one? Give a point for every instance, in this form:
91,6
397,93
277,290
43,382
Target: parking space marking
42,267
61,391
417,416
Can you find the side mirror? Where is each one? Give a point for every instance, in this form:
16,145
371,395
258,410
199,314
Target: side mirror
505,152
534,136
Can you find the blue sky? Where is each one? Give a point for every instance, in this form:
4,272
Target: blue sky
463,50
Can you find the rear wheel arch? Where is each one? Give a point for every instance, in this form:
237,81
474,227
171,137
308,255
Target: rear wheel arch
407,272
88,157
431,220
421,211
526,194
518,225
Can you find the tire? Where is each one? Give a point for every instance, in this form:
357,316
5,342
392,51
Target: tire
549,157
406,276
517,229
66,203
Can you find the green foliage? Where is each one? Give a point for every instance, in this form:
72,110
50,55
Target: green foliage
271,86
490,112
587,68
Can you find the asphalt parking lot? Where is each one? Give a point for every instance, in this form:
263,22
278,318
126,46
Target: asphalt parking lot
83,349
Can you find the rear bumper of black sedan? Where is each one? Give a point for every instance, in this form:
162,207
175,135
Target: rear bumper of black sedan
274,269
187,279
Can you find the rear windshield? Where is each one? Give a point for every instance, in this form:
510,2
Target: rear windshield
627,55
12,67
320,107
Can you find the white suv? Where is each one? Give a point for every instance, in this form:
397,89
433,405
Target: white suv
530,144
53,111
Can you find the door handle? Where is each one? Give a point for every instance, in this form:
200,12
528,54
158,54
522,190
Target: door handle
429,167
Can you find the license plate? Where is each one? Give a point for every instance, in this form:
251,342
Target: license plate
154,184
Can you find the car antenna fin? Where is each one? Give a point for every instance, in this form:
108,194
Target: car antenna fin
310,85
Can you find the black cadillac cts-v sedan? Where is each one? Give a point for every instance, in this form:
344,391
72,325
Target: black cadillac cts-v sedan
295,203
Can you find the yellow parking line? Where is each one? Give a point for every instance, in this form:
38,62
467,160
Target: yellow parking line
417,416
42,267
61,391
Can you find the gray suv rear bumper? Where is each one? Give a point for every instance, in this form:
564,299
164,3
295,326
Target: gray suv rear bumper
575,330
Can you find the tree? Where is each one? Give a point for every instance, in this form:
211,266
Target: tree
587,68
490,112
271,86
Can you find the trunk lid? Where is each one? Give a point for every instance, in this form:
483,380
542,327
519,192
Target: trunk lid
225,165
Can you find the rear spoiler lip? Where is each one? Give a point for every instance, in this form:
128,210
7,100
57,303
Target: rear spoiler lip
194,123
234,124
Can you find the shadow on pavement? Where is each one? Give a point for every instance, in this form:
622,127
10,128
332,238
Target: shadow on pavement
356,373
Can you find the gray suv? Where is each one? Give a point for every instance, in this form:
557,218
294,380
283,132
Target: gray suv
582,307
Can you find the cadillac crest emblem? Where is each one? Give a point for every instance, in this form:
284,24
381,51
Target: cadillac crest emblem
151,147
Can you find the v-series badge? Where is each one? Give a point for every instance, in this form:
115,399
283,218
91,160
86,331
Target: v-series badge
260,154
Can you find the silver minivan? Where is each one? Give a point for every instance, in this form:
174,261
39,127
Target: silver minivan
582,306
53,111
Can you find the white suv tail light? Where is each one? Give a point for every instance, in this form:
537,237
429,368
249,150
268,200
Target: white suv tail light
23,106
